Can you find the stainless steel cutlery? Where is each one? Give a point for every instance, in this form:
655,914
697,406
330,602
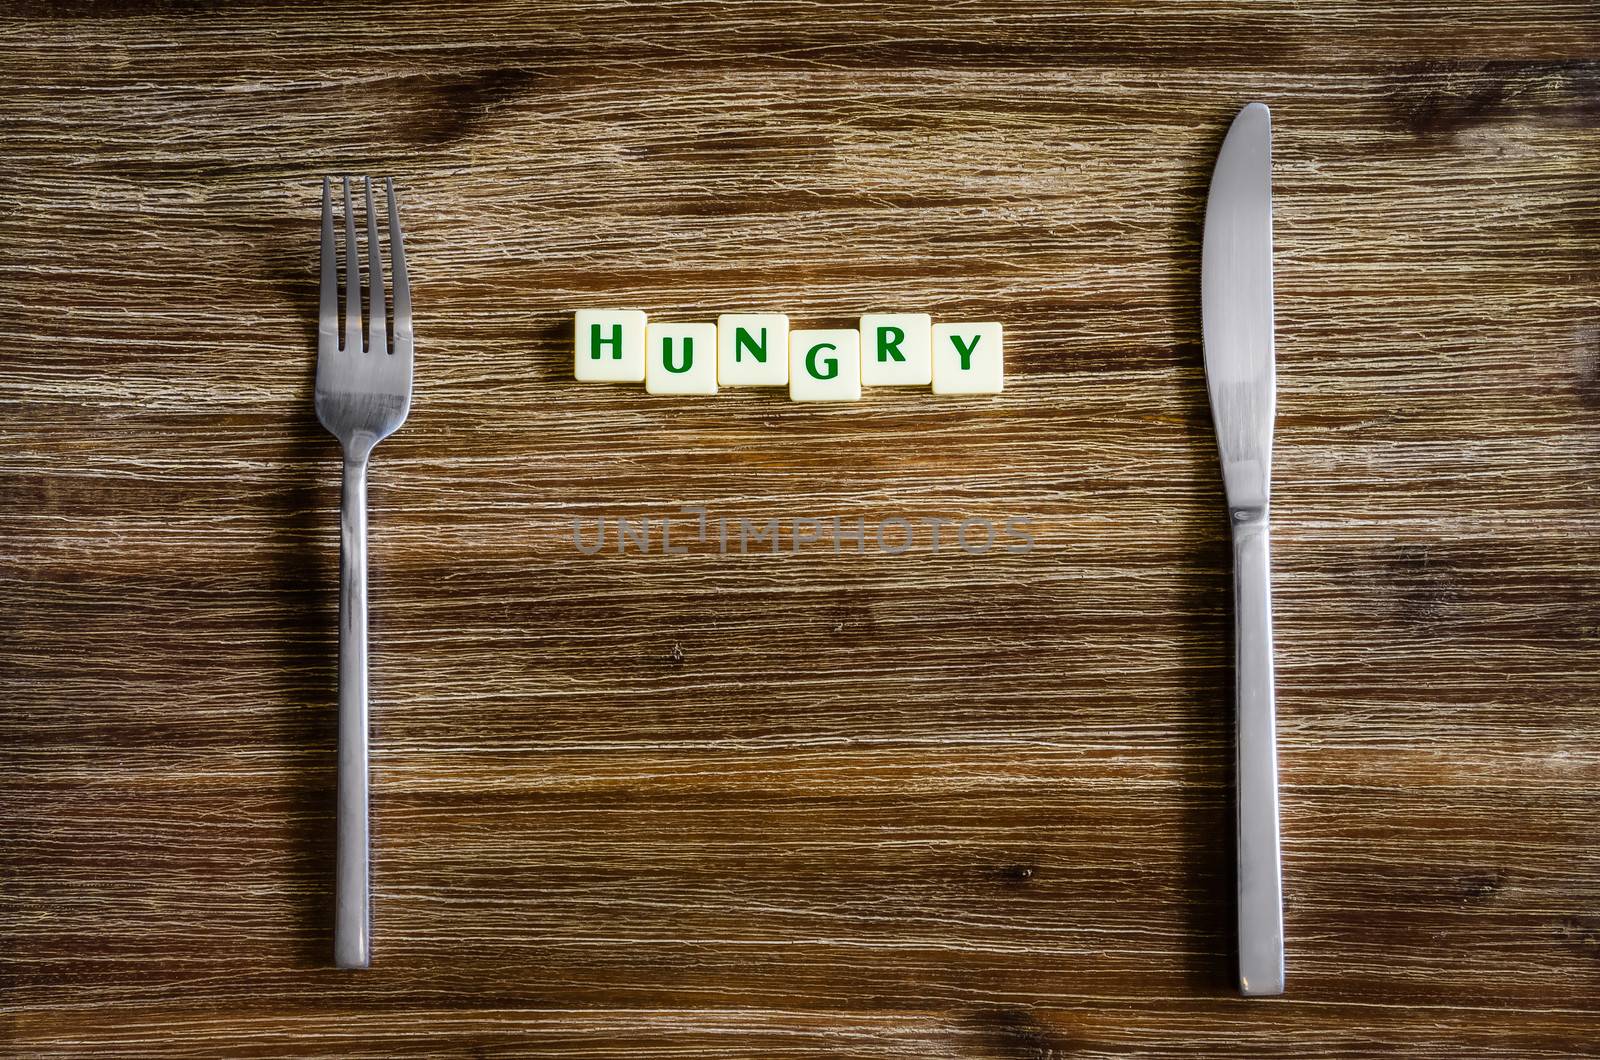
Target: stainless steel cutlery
1236,306
363,393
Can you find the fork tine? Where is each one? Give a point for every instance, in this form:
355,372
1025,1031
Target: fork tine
402,282
352,278
376,307
328,318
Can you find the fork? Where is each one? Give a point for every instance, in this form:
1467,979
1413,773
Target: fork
363,395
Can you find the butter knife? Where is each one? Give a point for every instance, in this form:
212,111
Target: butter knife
1236,309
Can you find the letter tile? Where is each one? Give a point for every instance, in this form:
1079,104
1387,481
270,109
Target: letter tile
681,359
753,349
825,365
968,359
896,349
608,345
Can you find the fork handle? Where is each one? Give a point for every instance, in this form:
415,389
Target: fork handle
1260,879
352,932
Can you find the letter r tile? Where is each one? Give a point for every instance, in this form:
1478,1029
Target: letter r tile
896,349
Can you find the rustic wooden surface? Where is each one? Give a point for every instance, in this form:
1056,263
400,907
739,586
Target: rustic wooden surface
807,804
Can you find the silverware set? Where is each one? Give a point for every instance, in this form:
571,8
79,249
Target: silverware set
363,393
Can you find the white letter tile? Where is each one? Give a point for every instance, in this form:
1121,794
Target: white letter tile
968,359
896,349
825,365
608,345
681,359
753,349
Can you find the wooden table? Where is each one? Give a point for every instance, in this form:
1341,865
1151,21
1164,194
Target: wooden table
812,803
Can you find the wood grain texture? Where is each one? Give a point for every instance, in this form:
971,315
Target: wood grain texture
806,804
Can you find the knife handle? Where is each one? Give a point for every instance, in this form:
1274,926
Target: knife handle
1260,876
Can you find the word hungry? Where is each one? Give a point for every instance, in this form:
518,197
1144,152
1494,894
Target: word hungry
758,349
892,535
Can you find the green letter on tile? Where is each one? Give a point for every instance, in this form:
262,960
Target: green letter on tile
831,362
965,350
596,341
688,355
743,341
889,340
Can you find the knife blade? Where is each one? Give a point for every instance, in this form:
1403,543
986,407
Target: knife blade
1236,312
